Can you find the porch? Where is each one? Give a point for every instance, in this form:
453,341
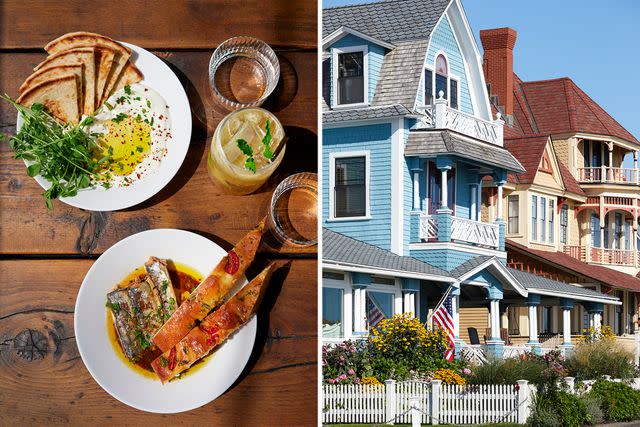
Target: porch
603,162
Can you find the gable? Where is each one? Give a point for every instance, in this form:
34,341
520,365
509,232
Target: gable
548,172
444,41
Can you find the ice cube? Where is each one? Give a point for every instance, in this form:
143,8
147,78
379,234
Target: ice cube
250,133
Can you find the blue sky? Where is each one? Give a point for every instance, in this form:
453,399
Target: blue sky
595,42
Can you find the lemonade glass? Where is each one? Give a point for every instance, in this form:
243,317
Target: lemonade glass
229,160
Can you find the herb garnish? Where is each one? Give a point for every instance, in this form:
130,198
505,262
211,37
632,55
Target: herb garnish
246,149
267,153
113,306
163,362
61,154
120,117
165,284
127,89
172,304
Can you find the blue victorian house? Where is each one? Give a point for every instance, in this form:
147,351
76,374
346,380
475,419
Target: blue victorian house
409,136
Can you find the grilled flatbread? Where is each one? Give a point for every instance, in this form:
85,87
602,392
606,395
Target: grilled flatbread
59,95
105,60
129,76
84,56
82,38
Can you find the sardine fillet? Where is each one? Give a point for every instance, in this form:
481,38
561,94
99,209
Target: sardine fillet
213,330
158,275
211,292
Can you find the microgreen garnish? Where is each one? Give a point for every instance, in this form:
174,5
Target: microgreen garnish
87,121
165,284
61,154
120,117
266,140
246,149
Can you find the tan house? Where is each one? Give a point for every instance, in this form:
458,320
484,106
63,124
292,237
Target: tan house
579,199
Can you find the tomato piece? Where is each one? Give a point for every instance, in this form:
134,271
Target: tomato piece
172,359
233,263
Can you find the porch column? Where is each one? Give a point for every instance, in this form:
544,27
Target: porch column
566,305
360,282
444,190
533,301
479,201
635,167
611,177
409,289
499,201
473,209
595,311
455,308
495,345
416,187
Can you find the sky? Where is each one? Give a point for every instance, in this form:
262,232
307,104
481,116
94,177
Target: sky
596,43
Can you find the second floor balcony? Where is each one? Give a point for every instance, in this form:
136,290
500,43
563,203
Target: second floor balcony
601,255
441,116
459,230
609,175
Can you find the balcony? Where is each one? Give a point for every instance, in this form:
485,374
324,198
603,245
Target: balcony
603,255
609,175
441,116
461,230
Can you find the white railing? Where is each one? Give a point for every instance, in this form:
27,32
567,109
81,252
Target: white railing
428,227
441,116
511,351
432,402
473,353
606,174
603,255
479,233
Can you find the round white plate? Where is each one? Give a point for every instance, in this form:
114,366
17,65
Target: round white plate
158,76
197,388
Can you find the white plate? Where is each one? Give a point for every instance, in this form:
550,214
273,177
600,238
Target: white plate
158,76
203,385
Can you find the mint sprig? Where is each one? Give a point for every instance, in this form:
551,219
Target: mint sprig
266,140
246,149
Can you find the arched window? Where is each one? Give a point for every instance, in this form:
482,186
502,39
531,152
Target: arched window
443,82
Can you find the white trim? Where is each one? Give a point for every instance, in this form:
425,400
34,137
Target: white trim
343,31
347,302
457,246
574,296
365,74
365,122
332,181
500,268
332,265
397,188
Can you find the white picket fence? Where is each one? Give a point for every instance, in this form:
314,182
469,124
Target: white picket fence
435,403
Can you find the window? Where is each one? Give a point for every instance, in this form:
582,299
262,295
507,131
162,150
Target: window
564,223
379,306
513,214
332,323
595,230
627,235
350,198
442,74
606,232
351,78
428,87
534,217
618,231
453,90
543,219
552,207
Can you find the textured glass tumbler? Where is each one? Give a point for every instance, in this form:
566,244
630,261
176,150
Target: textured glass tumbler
293,214
243,72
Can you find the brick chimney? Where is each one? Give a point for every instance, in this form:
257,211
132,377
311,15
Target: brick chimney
498,46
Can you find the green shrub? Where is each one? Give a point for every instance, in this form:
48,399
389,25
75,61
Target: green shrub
619,401
591,360
558,408
594,409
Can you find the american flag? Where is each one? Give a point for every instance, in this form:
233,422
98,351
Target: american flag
374,312
443,318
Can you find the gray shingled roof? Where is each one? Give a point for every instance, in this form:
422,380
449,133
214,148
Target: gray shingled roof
400,74
337,116
387,20
434,142
342,249
469,265
535,283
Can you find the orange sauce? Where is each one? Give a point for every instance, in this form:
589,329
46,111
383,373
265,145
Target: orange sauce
184,279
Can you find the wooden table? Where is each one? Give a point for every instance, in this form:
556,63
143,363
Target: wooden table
44,255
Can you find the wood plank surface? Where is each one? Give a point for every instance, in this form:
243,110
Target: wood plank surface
160,24
48,384
190,201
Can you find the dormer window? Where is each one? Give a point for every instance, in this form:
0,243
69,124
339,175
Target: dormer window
440,80
350,76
